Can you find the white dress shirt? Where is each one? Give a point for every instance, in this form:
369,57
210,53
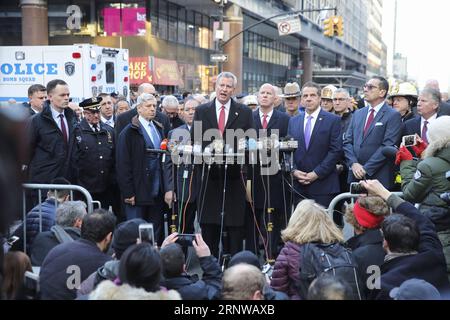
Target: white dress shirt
109,122
227,110
314,115
377,109
55,115
261,116
430,120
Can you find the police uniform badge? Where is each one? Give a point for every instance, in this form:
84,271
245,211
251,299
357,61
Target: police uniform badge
109,137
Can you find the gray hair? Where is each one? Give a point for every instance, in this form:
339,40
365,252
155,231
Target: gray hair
434,94
143,86
145,97
200,98
169,101
191,100
342,90
68,213
227,75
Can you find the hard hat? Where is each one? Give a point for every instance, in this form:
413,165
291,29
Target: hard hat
404,89
327,92
250,100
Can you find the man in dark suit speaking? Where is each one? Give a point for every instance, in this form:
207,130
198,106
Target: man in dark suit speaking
226,116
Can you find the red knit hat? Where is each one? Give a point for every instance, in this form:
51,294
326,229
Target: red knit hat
365,218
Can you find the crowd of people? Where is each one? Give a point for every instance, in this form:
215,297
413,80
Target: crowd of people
237,215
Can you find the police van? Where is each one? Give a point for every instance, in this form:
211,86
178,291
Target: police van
88,70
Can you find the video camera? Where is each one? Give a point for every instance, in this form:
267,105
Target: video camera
446,196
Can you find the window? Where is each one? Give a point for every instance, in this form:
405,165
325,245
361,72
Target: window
109,67
181,25
123,19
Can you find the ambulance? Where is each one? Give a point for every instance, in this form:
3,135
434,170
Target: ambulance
88,70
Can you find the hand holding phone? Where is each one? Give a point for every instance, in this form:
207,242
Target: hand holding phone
146,233
409,141
357,188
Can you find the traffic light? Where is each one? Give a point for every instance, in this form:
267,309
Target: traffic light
328,27
333,26
339,26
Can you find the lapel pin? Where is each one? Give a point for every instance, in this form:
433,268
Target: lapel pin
236,113
320,119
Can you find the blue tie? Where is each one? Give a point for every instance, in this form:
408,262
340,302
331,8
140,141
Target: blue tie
308,132
154,136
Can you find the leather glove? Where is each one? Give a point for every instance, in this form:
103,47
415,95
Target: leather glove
403,154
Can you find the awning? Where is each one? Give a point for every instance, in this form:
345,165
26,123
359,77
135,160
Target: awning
165,72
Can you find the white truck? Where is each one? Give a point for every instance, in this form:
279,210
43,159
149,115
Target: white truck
88,70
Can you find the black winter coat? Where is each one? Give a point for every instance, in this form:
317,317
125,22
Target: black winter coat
49,154
55,275
428,264
135,174
208,288
367,249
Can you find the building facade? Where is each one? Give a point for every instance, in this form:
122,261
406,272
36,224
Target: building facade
171,42
376,50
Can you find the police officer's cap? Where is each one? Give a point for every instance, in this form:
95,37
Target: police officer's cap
92,104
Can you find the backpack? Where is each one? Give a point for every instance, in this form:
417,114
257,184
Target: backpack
333,259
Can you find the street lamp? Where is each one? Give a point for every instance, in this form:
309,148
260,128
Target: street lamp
221,4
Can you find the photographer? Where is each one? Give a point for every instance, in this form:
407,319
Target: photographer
424,181
176,277
412,247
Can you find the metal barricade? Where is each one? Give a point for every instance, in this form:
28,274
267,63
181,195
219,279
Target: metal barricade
348,195
51,187
343,196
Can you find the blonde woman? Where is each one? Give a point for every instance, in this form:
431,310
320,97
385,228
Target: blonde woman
309,223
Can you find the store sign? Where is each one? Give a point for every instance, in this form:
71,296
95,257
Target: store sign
165,72
139,70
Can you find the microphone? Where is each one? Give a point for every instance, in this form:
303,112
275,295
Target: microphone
163,147
252,147
217,146
390,152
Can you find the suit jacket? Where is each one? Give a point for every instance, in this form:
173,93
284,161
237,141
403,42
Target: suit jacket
366,150
411,127
278,121
322,155
444,109
240,117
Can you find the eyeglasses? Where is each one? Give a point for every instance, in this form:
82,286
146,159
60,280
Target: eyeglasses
370,86
340,99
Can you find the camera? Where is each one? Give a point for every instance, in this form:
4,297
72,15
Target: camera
185,239
357,188
146,233
409,141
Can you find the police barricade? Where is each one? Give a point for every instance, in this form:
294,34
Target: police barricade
348,230
51,187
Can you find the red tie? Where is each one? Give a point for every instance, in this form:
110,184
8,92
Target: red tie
369,121
63,127
222,120
424,132
264,123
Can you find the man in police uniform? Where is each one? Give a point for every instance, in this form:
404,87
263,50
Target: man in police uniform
94,153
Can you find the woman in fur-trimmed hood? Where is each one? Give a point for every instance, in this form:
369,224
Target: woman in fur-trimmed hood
425,181
139,278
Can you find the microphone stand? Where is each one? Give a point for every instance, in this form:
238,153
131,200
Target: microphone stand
222,213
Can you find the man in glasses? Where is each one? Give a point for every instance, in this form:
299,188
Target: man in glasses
372,128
